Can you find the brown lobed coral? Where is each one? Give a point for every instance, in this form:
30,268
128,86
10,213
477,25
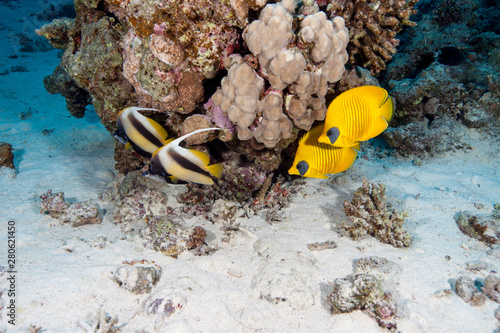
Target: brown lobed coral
368,214
285,79
6,155
373,25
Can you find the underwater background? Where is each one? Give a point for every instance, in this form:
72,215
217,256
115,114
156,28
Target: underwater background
403,237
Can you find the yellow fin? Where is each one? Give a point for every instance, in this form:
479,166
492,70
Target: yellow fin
344,141
348,158
378,98
163,133
375,95
215,169
201,155
128,146
387,109
378,125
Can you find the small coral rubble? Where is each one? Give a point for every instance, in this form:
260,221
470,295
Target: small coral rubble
465,288
53,204
485,228
368,214
75,214
138,278
364,292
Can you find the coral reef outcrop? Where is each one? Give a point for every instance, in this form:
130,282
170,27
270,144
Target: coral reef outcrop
373,26
282,60
60,82
147,53
285,80
445,74
369,214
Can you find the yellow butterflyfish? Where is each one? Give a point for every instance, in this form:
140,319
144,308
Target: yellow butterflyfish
315,159
357,114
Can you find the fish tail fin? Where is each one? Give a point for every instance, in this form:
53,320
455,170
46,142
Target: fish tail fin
387,109
215,169
386,112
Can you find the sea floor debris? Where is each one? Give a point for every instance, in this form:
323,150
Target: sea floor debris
369,214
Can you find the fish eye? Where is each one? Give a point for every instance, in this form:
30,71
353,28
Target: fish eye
333,134
302,167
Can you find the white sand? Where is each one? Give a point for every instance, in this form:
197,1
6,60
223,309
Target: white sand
59,290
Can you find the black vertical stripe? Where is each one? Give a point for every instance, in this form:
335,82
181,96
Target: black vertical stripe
144,131
186,164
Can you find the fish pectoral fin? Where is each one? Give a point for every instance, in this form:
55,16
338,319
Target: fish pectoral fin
344,141
215,170
128,146
174,179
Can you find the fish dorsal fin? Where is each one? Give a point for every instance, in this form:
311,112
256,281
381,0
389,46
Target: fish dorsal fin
137,108
312,135
374,95
177,141
379,98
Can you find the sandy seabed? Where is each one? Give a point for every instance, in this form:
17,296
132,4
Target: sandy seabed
64,274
